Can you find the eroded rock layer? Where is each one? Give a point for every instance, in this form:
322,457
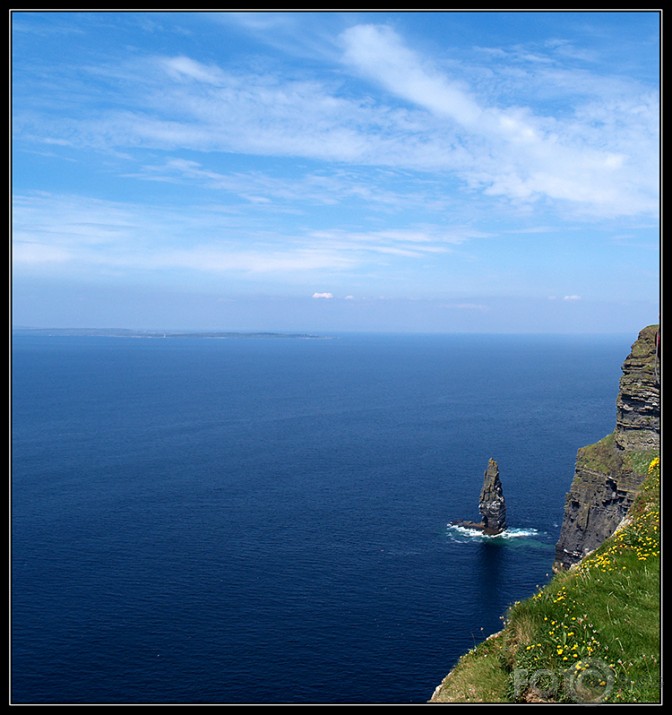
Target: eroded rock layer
608,474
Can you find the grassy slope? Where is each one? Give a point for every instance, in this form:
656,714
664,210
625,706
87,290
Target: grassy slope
591,635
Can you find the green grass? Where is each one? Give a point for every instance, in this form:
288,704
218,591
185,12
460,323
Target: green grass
638,461
591,635
605,457
480,677
602,456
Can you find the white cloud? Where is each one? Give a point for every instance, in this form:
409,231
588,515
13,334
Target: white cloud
323,296
519,154
186,68
377,188
597,155
80,229
571,298
223,259
28,253
85,233
379,53
512,152
401,242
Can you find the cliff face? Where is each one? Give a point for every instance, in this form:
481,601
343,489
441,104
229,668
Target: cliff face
638,401
609,473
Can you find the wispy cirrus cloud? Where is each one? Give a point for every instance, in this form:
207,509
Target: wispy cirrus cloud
521,154
414,242
361,153
54,231
378,189
599,156
380,54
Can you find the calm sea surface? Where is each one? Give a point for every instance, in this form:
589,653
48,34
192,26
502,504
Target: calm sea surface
264,520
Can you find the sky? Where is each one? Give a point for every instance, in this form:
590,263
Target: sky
336,171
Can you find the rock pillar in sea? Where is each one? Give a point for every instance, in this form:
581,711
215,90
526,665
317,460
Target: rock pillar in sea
491,504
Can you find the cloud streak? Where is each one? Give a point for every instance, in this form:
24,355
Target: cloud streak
380,54
521,155
339,154
599,158
54,230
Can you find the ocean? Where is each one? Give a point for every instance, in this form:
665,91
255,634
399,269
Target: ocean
266,519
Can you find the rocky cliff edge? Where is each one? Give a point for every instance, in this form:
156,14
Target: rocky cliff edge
608,474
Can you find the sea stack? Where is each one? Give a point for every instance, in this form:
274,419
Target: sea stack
491,504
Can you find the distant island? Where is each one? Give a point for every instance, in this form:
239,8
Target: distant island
131,333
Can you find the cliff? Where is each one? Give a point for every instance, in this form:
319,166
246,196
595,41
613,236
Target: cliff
592,634
609,473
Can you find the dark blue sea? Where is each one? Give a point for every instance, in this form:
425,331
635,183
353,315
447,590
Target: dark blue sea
265,520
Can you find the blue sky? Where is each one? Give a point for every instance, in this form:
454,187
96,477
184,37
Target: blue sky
325,171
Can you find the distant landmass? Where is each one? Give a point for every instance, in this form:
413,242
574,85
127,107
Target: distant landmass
130,333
